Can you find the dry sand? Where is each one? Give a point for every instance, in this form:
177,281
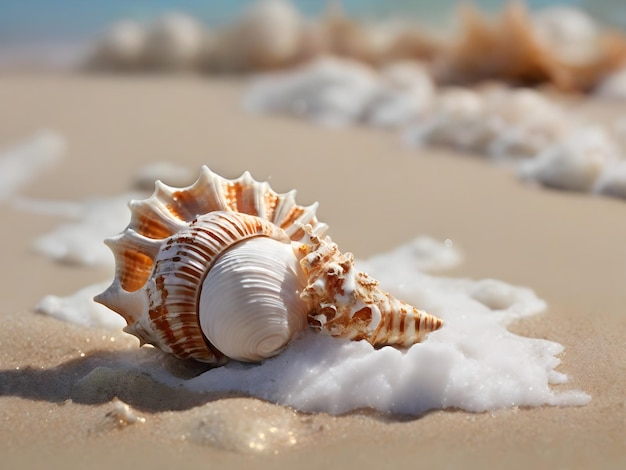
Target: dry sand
374,194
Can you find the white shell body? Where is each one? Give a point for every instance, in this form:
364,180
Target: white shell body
250,305
231,269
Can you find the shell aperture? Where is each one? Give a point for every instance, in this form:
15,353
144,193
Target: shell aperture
230,269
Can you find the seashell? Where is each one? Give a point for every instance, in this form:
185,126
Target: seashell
415,42
269,34
567,32
231,269
120,48
174,42
519,50
344,37
347,303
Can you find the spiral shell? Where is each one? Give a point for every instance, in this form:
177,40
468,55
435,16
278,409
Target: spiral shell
231,269
348,303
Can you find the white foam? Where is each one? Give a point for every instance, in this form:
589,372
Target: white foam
426,255
338,92
497,122
406,92
473,363
81,241
328,91
458,119
525,122
24,161
612,181
573,163
80,309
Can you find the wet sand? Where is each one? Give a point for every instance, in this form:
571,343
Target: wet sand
375,195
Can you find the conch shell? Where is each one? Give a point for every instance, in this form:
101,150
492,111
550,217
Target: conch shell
231,269
511,48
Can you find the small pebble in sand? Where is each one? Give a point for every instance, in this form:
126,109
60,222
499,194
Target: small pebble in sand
120,416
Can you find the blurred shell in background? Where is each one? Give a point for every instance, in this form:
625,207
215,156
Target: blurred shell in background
268,35
174,42
559,46
344,37
531,49
121,47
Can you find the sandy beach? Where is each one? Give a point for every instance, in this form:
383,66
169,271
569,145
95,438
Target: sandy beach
375,194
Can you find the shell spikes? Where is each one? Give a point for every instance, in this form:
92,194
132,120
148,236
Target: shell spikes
231,269
348,303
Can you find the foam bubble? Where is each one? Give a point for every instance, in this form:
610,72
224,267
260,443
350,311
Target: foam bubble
329,91
426,254
80,309
573,163
81,241
612,181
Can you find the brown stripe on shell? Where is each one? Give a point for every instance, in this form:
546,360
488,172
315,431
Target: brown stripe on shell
133,269
349,304
291,217
147,221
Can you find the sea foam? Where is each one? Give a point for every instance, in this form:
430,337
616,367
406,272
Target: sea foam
80,239
521,128
80,309
337,92
473,363
22,162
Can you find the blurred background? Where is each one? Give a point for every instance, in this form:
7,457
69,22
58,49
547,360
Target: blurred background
55,33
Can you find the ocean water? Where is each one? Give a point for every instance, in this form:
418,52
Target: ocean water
74,20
